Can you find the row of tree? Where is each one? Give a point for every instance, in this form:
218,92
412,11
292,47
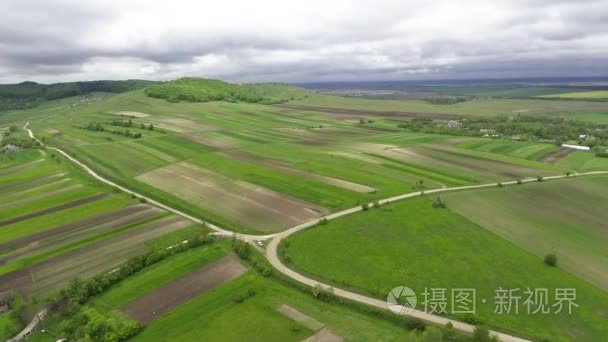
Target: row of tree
81,322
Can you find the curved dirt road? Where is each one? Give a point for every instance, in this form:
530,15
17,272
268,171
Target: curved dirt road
271,250
273,258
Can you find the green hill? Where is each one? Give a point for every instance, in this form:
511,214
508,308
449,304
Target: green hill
30,94
192,89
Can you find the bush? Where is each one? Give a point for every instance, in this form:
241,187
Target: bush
500,185
365,206
376,204
439,203
551,260
519,181
539,178
323,221
143,200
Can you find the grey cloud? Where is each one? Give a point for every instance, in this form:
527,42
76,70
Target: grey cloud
54,41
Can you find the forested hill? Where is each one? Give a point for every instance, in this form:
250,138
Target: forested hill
194,89
30,94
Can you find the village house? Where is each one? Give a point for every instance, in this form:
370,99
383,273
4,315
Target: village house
10,149
454,124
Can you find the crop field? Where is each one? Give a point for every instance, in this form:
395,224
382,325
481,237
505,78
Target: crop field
57,224
248,307
411,243
251,155
598,94
357,107
283,157
215,315
548,218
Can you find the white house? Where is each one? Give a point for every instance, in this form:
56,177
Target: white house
577,147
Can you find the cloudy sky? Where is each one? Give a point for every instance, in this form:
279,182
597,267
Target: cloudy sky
303,41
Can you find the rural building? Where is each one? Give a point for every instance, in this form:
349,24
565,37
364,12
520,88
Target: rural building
577,147
11,149
454,124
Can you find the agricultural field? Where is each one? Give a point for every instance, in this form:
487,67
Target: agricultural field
252,155
411,243
598,94
283,157
230,301
490,107
57,223
544,218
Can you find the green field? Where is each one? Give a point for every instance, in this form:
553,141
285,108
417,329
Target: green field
322,162
410,243
558,217
598,94
261,158
217,316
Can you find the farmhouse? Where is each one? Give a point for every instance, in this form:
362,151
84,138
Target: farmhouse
577,147
10,149
454,124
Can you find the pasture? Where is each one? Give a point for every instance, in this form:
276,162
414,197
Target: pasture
410,243
562,217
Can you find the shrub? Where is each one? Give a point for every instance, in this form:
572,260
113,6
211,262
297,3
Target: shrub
323,221
500,185
551,260
365,206
376,204
539,178
439,203
143,200
519,181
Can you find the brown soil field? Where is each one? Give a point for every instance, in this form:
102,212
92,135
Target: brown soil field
71,226
143,213
344,113
253,159
555,156
133,114
46,211
324,335
243,203
87,261
301,318
207,141
179,291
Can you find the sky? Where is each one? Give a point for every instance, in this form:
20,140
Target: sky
305,41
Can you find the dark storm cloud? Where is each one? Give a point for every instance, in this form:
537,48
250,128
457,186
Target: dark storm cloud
317,40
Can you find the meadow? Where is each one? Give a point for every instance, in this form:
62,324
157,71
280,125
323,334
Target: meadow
411,243
559,217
